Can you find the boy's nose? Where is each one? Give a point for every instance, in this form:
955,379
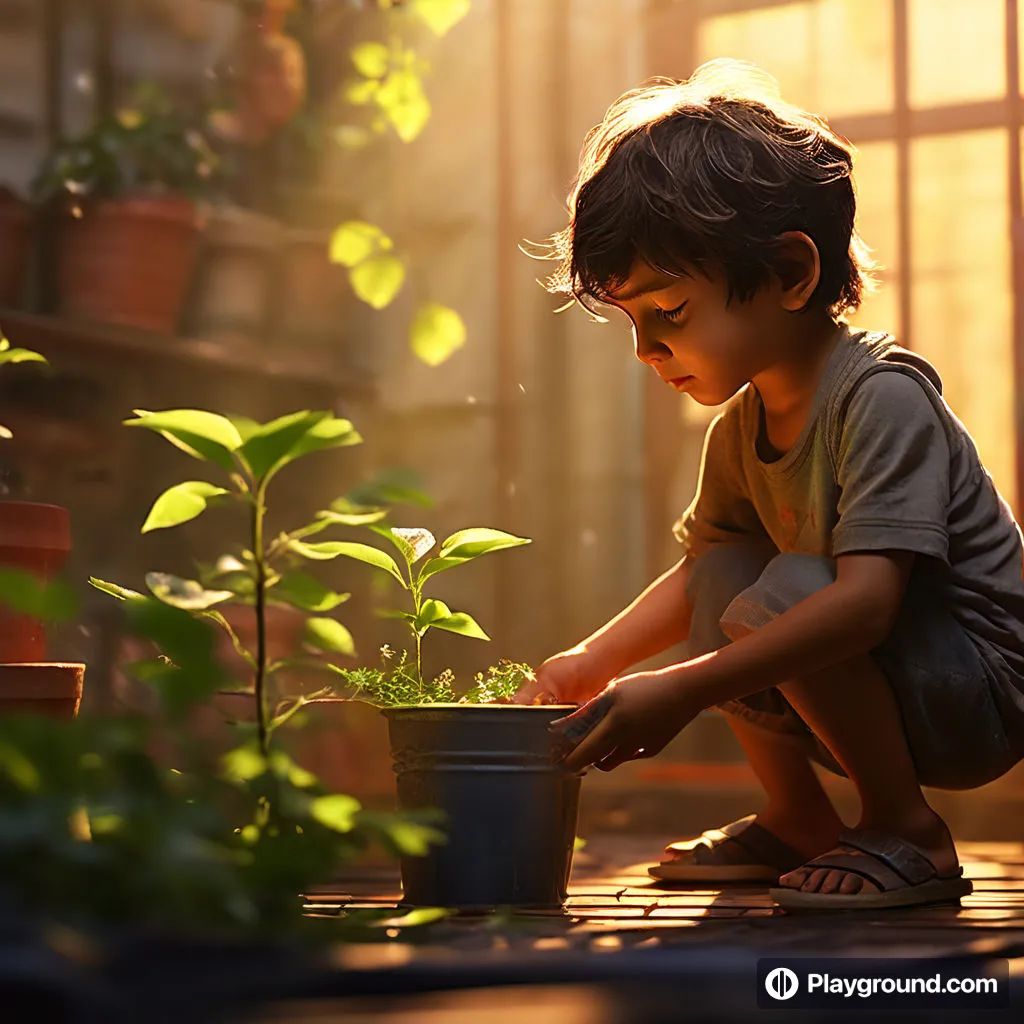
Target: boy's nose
649,350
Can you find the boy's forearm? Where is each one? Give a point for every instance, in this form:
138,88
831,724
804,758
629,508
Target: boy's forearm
827,628
656,620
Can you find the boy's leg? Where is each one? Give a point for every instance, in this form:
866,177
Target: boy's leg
798,810
865,735
852,710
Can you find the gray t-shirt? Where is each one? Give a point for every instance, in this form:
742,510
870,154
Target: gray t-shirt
882,463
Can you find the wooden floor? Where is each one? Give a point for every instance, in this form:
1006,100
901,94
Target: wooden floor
614,903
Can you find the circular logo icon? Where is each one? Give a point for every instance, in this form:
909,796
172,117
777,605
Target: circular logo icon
782,983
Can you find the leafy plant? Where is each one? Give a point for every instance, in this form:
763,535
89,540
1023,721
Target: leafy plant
388,85
427,613
145,147
295,831
396,685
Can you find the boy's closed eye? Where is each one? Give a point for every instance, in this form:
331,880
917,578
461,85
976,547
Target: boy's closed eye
671,314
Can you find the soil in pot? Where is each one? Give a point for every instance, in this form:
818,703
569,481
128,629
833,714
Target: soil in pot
510,810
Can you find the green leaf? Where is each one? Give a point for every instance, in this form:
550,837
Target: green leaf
337,811
329,635
330,432
114,590
273,441
478,541
17,355
431,611
348,513
22,592
436,565
461,623
407,836
404,103
371,59
245,426
189,595
377,280
203,435
180,503
19,768
301,590
441,15
360,552
355,241
361,93
284,767
436,333
244,763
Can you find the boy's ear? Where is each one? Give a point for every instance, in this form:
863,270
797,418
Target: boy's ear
797,266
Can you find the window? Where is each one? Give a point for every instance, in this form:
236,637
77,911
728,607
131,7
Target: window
945,233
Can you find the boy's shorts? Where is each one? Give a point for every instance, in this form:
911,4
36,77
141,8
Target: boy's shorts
946,689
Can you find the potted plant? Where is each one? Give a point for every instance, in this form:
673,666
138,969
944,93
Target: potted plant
128,221
35,541
510,810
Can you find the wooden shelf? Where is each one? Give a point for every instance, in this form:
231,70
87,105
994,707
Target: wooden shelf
49,334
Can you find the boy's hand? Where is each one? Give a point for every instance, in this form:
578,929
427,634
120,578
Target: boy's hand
635,717
571,677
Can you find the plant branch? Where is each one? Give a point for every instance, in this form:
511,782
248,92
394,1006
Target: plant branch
259,559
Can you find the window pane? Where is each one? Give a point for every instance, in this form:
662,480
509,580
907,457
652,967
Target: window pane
962,304
956,51
874,169
830,56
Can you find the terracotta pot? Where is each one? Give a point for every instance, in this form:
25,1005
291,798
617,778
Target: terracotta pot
50,688
37,539
235,275
128,261
16,223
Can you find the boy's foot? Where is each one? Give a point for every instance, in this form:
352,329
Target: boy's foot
878,868
742,851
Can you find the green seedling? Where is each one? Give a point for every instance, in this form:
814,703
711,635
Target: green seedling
426,613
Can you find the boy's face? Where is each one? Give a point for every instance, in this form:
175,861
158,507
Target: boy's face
697,341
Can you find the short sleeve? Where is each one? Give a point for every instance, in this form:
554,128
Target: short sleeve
892,470
721,511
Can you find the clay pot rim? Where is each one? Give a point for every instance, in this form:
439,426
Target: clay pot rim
171,206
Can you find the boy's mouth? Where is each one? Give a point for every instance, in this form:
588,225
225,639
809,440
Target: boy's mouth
681,383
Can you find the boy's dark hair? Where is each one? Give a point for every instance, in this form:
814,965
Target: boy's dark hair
711,172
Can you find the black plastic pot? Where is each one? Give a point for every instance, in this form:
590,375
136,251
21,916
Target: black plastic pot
510,810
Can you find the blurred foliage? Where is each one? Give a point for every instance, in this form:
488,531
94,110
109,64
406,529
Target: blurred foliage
95,830
146,147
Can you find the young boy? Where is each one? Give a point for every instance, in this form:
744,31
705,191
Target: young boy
851,586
